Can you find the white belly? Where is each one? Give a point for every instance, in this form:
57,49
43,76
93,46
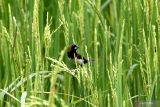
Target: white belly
79,61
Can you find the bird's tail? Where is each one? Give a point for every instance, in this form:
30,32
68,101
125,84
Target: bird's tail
88,60
91,60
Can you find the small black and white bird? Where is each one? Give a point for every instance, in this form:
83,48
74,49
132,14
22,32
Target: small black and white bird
73,55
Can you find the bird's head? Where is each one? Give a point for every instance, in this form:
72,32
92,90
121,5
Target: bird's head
73,48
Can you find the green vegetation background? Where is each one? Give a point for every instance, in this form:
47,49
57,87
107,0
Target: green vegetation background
121,35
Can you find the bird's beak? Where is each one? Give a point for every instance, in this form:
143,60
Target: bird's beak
76,47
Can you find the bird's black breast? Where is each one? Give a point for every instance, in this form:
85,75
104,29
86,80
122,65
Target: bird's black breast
71,55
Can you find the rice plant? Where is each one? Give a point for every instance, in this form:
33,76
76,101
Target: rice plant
121,36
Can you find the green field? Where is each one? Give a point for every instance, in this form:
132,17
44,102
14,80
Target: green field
123,36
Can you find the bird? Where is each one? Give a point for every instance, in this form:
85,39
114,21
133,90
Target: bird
74,55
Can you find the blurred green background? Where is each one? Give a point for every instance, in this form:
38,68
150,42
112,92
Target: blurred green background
121,35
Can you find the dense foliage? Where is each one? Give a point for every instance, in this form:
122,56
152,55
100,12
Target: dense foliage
121,35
